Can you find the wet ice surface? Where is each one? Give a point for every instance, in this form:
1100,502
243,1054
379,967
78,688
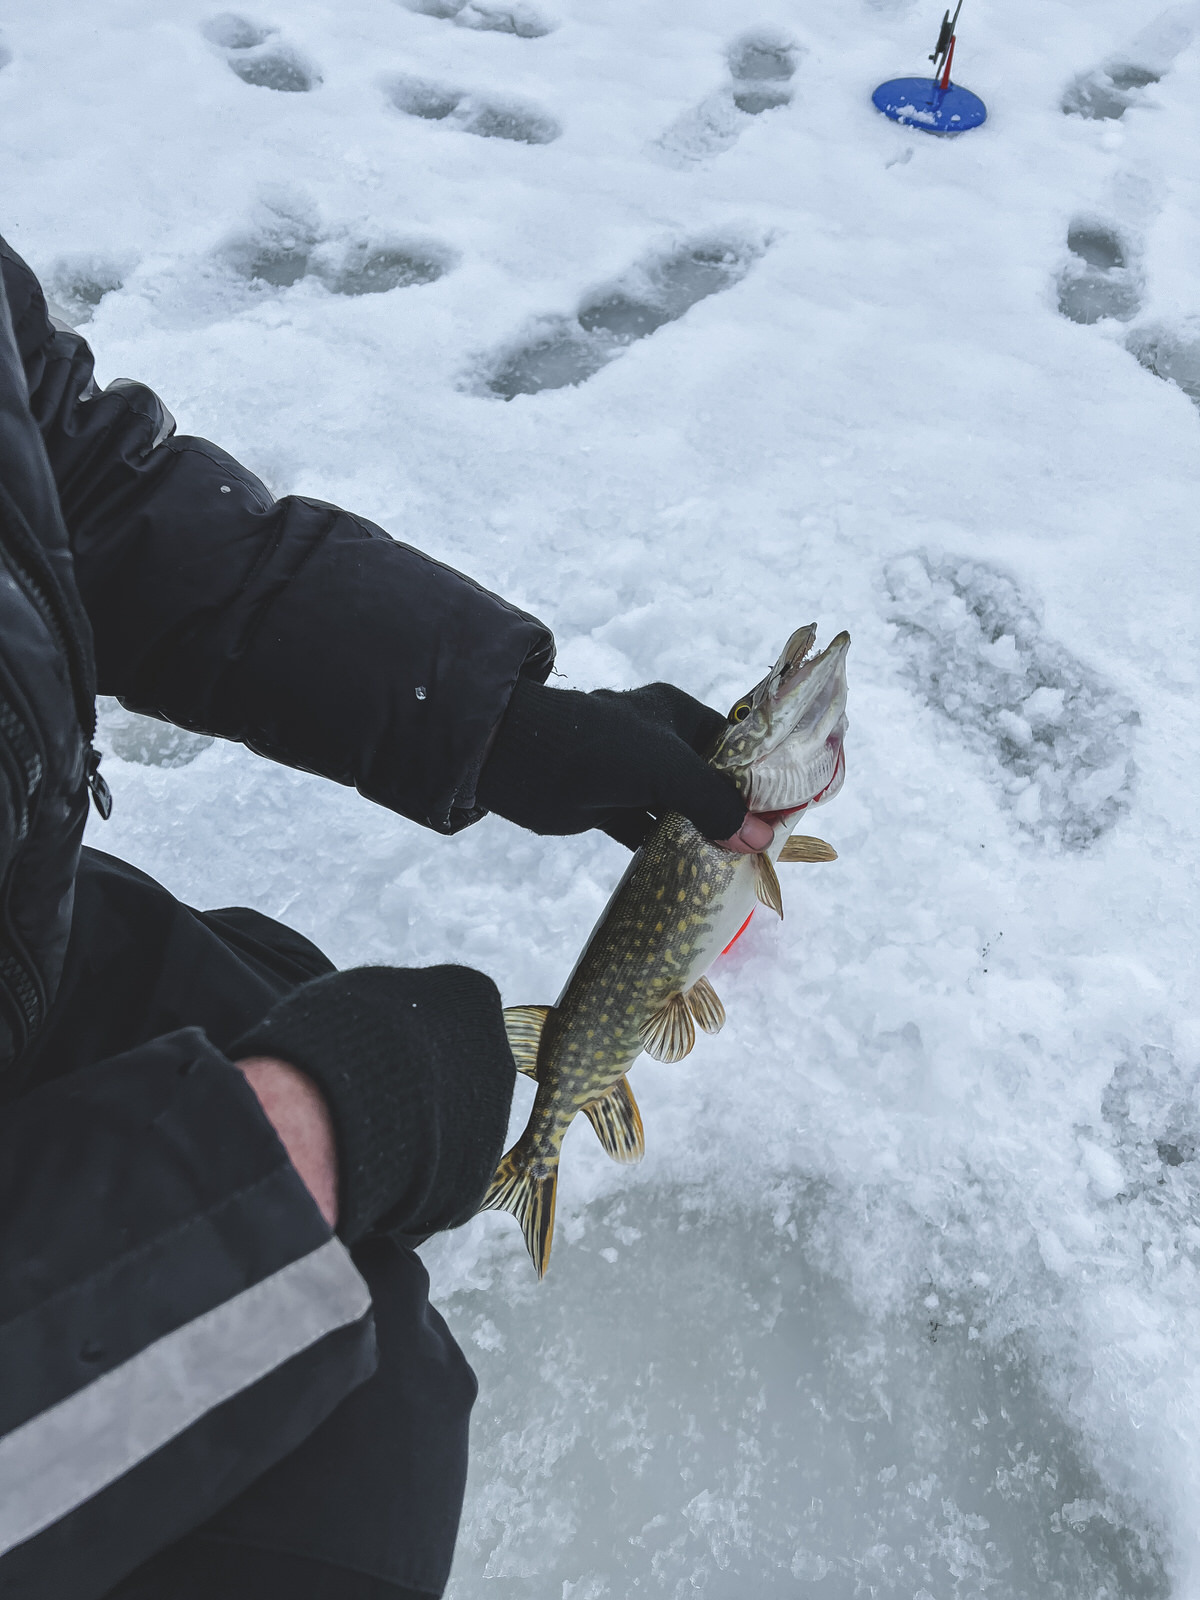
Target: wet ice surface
691,1402
1056,737
144,740
972,1044
1098,281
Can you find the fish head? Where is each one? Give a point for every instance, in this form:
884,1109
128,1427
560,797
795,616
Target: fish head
783,745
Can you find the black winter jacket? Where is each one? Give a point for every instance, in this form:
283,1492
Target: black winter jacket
174,1314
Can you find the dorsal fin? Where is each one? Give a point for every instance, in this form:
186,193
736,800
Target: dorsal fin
803,847
523,1025
668,1034
766,884
617,1122
705,1005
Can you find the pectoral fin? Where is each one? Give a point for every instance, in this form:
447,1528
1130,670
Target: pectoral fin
766,884
803,847
618,1122
668,1034
705,1005
523,1025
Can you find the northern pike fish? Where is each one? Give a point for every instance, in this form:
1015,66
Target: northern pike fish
640,982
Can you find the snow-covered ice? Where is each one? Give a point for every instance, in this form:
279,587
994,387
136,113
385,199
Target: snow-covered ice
904,1299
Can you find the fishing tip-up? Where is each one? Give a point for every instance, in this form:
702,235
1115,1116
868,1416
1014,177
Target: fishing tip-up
934,104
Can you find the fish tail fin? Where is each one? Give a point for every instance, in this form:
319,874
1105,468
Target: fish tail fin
529,1196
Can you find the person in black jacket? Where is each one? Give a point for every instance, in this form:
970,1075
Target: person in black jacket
221,1373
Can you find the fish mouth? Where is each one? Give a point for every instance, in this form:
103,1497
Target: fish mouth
786,753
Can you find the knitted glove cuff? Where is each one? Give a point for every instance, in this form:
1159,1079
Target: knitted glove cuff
416,1070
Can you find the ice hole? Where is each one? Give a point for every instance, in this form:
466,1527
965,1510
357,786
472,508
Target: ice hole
232,32
690,1403
376,271
505,119
278,69
417,97
555,357
1106,94
1173,354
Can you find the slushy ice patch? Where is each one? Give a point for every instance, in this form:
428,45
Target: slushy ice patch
1170,353
761,66
287,244
144,740
1107,93
79,283
486,116
275,68
558,351
1099,280
1056,740
691,1404
525,21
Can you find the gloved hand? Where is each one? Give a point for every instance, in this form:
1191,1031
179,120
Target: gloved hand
563,761
415,1068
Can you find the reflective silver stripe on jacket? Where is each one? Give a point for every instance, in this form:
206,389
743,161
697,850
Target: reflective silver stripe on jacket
63,1456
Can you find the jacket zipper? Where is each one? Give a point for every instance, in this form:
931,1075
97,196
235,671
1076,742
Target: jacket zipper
18,980
55,612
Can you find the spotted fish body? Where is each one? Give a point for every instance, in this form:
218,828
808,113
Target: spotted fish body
640,982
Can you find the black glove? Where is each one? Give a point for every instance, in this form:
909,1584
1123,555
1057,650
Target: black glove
563,761
416,1070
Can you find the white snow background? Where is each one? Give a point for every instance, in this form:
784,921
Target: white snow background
903,1300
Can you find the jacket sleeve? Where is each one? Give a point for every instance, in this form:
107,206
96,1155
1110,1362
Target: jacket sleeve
175,1316
300,630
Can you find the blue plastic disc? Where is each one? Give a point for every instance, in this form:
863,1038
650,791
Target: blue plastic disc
920,103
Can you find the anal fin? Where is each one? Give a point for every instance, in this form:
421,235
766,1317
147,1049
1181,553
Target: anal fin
766,884
705,1005
617,1122
523,1025
668,1034
803,847
530,1199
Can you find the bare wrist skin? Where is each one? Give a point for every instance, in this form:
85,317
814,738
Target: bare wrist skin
296,1109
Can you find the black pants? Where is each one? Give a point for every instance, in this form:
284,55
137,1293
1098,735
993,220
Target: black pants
367,1508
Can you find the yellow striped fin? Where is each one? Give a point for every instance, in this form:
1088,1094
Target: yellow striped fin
766,884
618,1122
705,1005
803,847
668,1034
530,1200
523,1025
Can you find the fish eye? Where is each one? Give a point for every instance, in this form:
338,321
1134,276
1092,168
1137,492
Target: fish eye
740,711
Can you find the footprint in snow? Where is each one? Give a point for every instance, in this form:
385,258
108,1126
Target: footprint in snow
257,57
487,116
1105,93
1055,738
286,244
523,20
761,66
1099,279
1170,353
560,351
